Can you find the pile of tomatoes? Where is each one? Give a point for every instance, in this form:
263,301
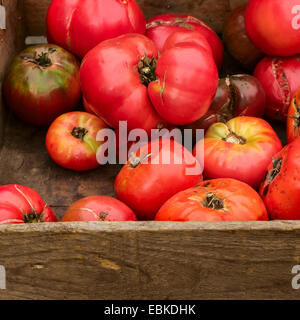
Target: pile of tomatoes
105,65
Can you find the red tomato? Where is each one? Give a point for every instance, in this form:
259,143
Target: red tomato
240,149
281,188
161,27
119,77
71,140
42,83
280,78
293,118
79,25
149,179
273,26
215,200
20,204
99,208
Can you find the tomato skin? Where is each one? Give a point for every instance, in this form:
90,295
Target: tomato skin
38,94
99,208
281,195
161,27
147,186
187,80
241,203
72,152
293,119
280,78
20,204
269,25
80,25
246,161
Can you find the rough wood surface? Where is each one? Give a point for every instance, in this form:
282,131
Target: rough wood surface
150,260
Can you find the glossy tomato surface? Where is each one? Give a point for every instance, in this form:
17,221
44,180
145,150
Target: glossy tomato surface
20,204
281,187
161,27
99,208
293,118
240,149
42,83
71,140
215,200
280,78
274,26
80,25
159,170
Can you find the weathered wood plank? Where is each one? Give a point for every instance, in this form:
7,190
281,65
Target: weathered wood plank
150,260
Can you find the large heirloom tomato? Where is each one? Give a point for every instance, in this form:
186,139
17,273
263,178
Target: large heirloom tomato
42,83
99,208
79,25
215,200
121,75
280,78
293,119
20,204
71,140
240,149
281,187
161,27
273,26
157,172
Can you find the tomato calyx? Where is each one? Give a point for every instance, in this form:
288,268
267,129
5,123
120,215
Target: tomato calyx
103,215
227,111
134,161
212,201
146,69
232,137
296,117
79,133
33,217
277,164
42,59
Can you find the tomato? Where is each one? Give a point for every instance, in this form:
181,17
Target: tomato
80,25
99,208
120,76
71,140
293,118
20,204
159,170
280,78
42,83
281,188
273,26
161,27
215,200
240,149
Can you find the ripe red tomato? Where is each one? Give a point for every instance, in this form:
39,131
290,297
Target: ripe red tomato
71,140
240,149
42,83
273,26
281,188
293,118
20,204
99,208
280,78
119,77
215,200
149,179
161,27
79,25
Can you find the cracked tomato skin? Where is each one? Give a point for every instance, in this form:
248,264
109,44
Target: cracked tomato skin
239,203
39,93
280,78
72,148
161,27
111,83
187,80
245,158
99,208
293,119
20,204
273,26
80,25
144,186
281,192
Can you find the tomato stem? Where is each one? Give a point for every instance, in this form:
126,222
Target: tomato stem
232,137
146,69
32,217
79,133
212,201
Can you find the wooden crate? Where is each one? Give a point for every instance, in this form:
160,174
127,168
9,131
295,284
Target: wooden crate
144,260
